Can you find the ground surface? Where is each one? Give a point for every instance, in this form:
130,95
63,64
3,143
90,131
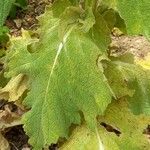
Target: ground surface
26,19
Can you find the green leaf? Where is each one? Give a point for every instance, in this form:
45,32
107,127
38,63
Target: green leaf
108,15
131,127
88,19
73,15
118,117
136,14
120,23
4,35
17,4
64,76
110,18
3,80
140,102
59,6
82,139
111,3
118,78
21,3
131,80
100,33
108,11
69,17
5,8
74,2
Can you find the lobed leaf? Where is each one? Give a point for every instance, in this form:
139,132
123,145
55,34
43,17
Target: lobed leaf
118,117
64,75
132,80
136,14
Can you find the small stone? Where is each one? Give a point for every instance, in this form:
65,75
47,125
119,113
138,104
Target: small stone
18,23
27,148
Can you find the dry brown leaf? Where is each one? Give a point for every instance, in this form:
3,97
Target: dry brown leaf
10,115
15,88
4,145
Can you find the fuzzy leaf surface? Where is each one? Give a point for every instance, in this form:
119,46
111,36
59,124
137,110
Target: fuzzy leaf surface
136,14
118,117
64,77
5,6
132,80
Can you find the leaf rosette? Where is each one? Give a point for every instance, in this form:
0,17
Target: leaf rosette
64,75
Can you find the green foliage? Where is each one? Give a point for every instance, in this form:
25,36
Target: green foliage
3,80
135,13
6,7
18,4
84,87
120,118
73,79
21,3
3,34
134,82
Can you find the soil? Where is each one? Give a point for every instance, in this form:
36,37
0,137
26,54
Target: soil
27,19
139,46
17,138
